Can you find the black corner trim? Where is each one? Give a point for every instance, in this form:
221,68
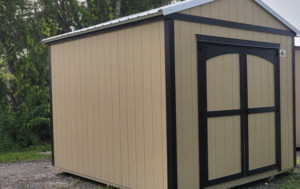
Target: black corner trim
51,106
236,42
139,22
224,23
294,98
171,104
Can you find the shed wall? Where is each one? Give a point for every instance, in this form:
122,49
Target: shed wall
109,109
244,11
297,75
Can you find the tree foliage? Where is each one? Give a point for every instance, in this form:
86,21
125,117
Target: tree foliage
24,74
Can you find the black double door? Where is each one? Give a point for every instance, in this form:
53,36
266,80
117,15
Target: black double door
239,113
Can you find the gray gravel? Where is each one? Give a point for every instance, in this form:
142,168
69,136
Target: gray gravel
39,175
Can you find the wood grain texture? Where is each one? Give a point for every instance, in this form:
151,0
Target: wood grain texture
109,107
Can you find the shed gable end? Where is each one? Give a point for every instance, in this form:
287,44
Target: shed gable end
240,11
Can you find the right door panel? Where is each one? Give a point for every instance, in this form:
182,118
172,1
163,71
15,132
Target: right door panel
261,126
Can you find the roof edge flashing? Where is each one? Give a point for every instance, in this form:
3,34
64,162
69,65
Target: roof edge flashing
183,6
101,26
280,18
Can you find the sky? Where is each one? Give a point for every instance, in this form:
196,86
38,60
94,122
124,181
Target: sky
289,10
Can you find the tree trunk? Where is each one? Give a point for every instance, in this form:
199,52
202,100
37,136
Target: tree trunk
164,2
118,9
103,15
11,99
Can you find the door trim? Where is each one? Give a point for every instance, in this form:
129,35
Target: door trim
202,105
236,42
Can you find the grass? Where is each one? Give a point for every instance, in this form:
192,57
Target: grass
29,154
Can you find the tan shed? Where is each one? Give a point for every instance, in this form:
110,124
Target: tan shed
192,95
297,78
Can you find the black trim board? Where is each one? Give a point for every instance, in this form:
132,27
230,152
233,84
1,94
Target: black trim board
170,104
229,24
294,98
236,42
51,106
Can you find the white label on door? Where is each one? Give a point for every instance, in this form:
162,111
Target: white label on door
282,53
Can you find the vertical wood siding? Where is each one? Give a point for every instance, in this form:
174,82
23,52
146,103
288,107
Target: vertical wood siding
297,66
109,107
245,11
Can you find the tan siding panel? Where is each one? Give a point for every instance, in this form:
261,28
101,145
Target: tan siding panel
102,105
90,126
78,115
157,107
139,103
73,149
109,90
148,113
115,108
131,109
123,109
95,107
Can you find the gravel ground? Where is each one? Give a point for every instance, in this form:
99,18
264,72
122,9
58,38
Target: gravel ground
41,175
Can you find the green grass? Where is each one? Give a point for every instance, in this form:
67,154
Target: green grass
31,153
291,181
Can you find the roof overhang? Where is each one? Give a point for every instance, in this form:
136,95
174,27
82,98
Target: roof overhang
161,11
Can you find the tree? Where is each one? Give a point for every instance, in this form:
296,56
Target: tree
24,78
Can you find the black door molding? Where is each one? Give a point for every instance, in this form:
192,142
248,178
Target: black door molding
209,47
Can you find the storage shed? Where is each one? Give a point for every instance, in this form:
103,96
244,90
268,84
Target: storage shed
297,77
191,95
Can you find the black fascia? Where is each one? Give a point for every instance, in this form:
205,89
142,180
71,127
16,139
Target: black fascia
170,104
51,106
229,24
